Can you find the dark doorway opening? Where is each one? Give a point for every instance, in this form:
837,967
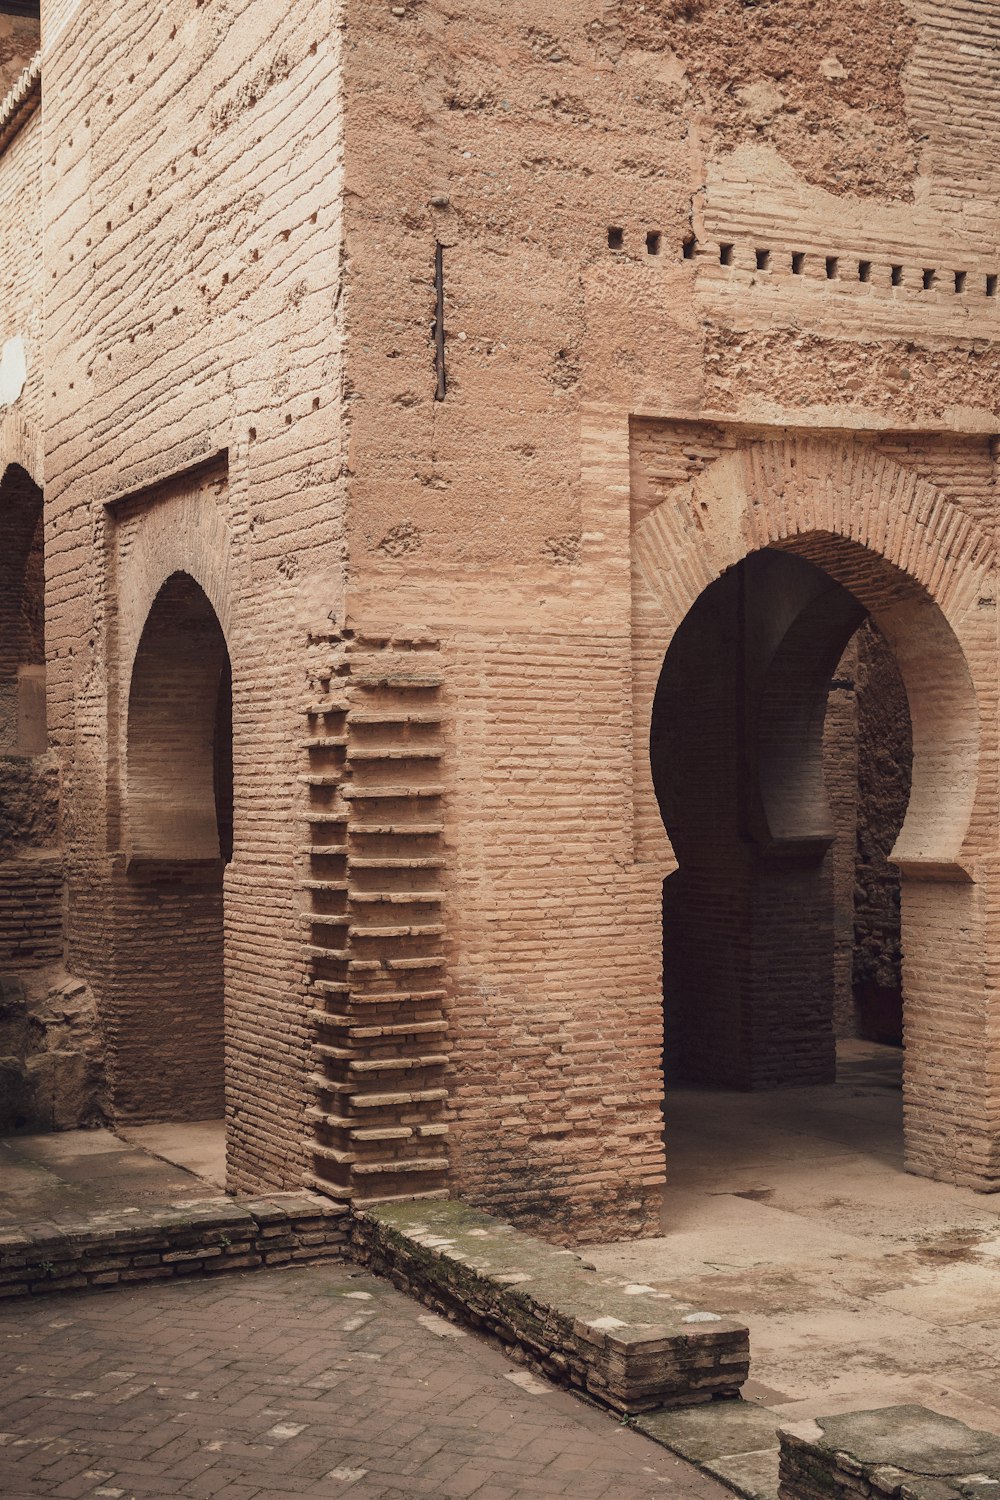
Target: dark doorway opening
781,755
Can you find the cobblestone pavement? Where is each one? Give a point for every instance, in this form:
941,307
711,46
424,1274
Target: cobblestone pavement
306,1383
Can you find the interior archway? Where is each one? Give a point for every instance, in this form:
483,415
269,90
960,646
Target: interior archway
738,747
742,752
179,822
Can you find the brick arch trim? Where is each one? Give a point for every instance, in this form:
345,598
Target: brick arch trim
184,535
920,565
21,444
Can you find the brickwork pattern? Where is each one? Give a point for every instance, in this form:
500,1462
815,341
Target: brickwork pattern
374,921
299,1384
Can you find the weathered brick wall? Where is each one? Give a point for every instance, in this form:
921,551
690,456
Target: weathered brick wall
239,248
193,269
498,517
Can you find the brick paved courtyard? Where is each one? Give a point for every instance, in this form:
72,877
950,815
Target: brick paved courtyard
318,1382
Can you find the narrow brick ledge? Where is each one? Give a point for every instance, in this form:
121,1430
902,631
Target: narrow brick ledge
633,1350
203,1237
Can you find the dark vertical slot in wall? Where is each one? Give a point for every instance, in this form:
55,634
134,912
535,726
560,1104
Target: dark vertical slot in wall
441,389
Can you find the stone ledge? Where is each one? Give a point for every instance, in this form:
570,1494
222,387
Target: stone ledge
633,1350
895,1453
206,1237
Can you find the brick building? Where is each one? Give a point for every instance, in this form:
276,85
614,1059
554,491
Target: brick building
471,436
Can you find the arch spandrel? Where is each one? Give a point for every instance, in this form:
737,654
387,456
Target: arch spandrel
183,535
21,444
922,567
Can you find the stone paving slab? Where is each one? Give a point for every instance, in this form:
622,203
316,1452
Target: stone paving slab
308,1383
73,1174
898,1452
734,1440
628,1345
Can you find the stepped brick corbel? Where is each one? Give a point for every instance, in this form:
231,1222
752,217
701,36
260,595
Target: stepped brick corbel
372,921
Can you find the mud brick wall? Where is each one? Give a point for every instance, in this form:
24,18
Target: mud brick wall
192,209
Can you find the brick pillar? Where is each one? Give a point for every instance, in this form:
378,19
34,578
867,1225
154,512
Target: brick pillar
951,1020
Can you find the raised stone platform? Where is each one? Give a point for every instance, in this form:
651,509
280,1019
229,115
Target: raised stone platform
628,1346
903,1452
207,1236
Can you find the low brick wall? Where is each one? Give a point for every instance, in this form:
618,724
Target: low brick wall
207,1237
907,1452
630,1347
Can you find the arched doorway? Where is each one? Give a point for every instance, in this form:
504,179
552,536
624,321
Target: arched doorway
742,756
922,569
179,833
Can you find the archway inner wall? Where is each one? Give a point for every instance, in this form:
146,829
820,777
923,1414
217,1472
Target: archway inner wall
925,570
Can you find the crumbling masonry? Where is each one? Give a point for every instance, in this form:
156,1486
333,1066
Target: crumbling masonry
448,452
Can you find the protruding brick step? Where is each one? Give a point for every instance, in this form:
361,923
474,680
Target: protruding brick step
413,930
397,997
316,950
330,987
325,742
324,885
396,898
330,1153
436,1195
395,1064
382,1133
399,682
322,1052
329,1018
325,919
432,962
337,1192
324,706
316,851
374,716
400,1166
317,1116
322,816
392,1101
395,752
392,862
324,1085
397,830
322,778
373,1033
375,793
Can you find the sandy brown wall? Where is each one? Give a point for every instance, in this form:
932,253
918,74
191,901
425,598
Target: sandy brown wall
765,170
192,289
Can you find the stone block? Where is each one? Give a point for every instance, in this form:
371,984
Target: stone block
903,1452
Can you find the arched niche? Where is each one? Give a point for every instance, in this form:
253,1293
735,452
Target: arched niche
179,731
